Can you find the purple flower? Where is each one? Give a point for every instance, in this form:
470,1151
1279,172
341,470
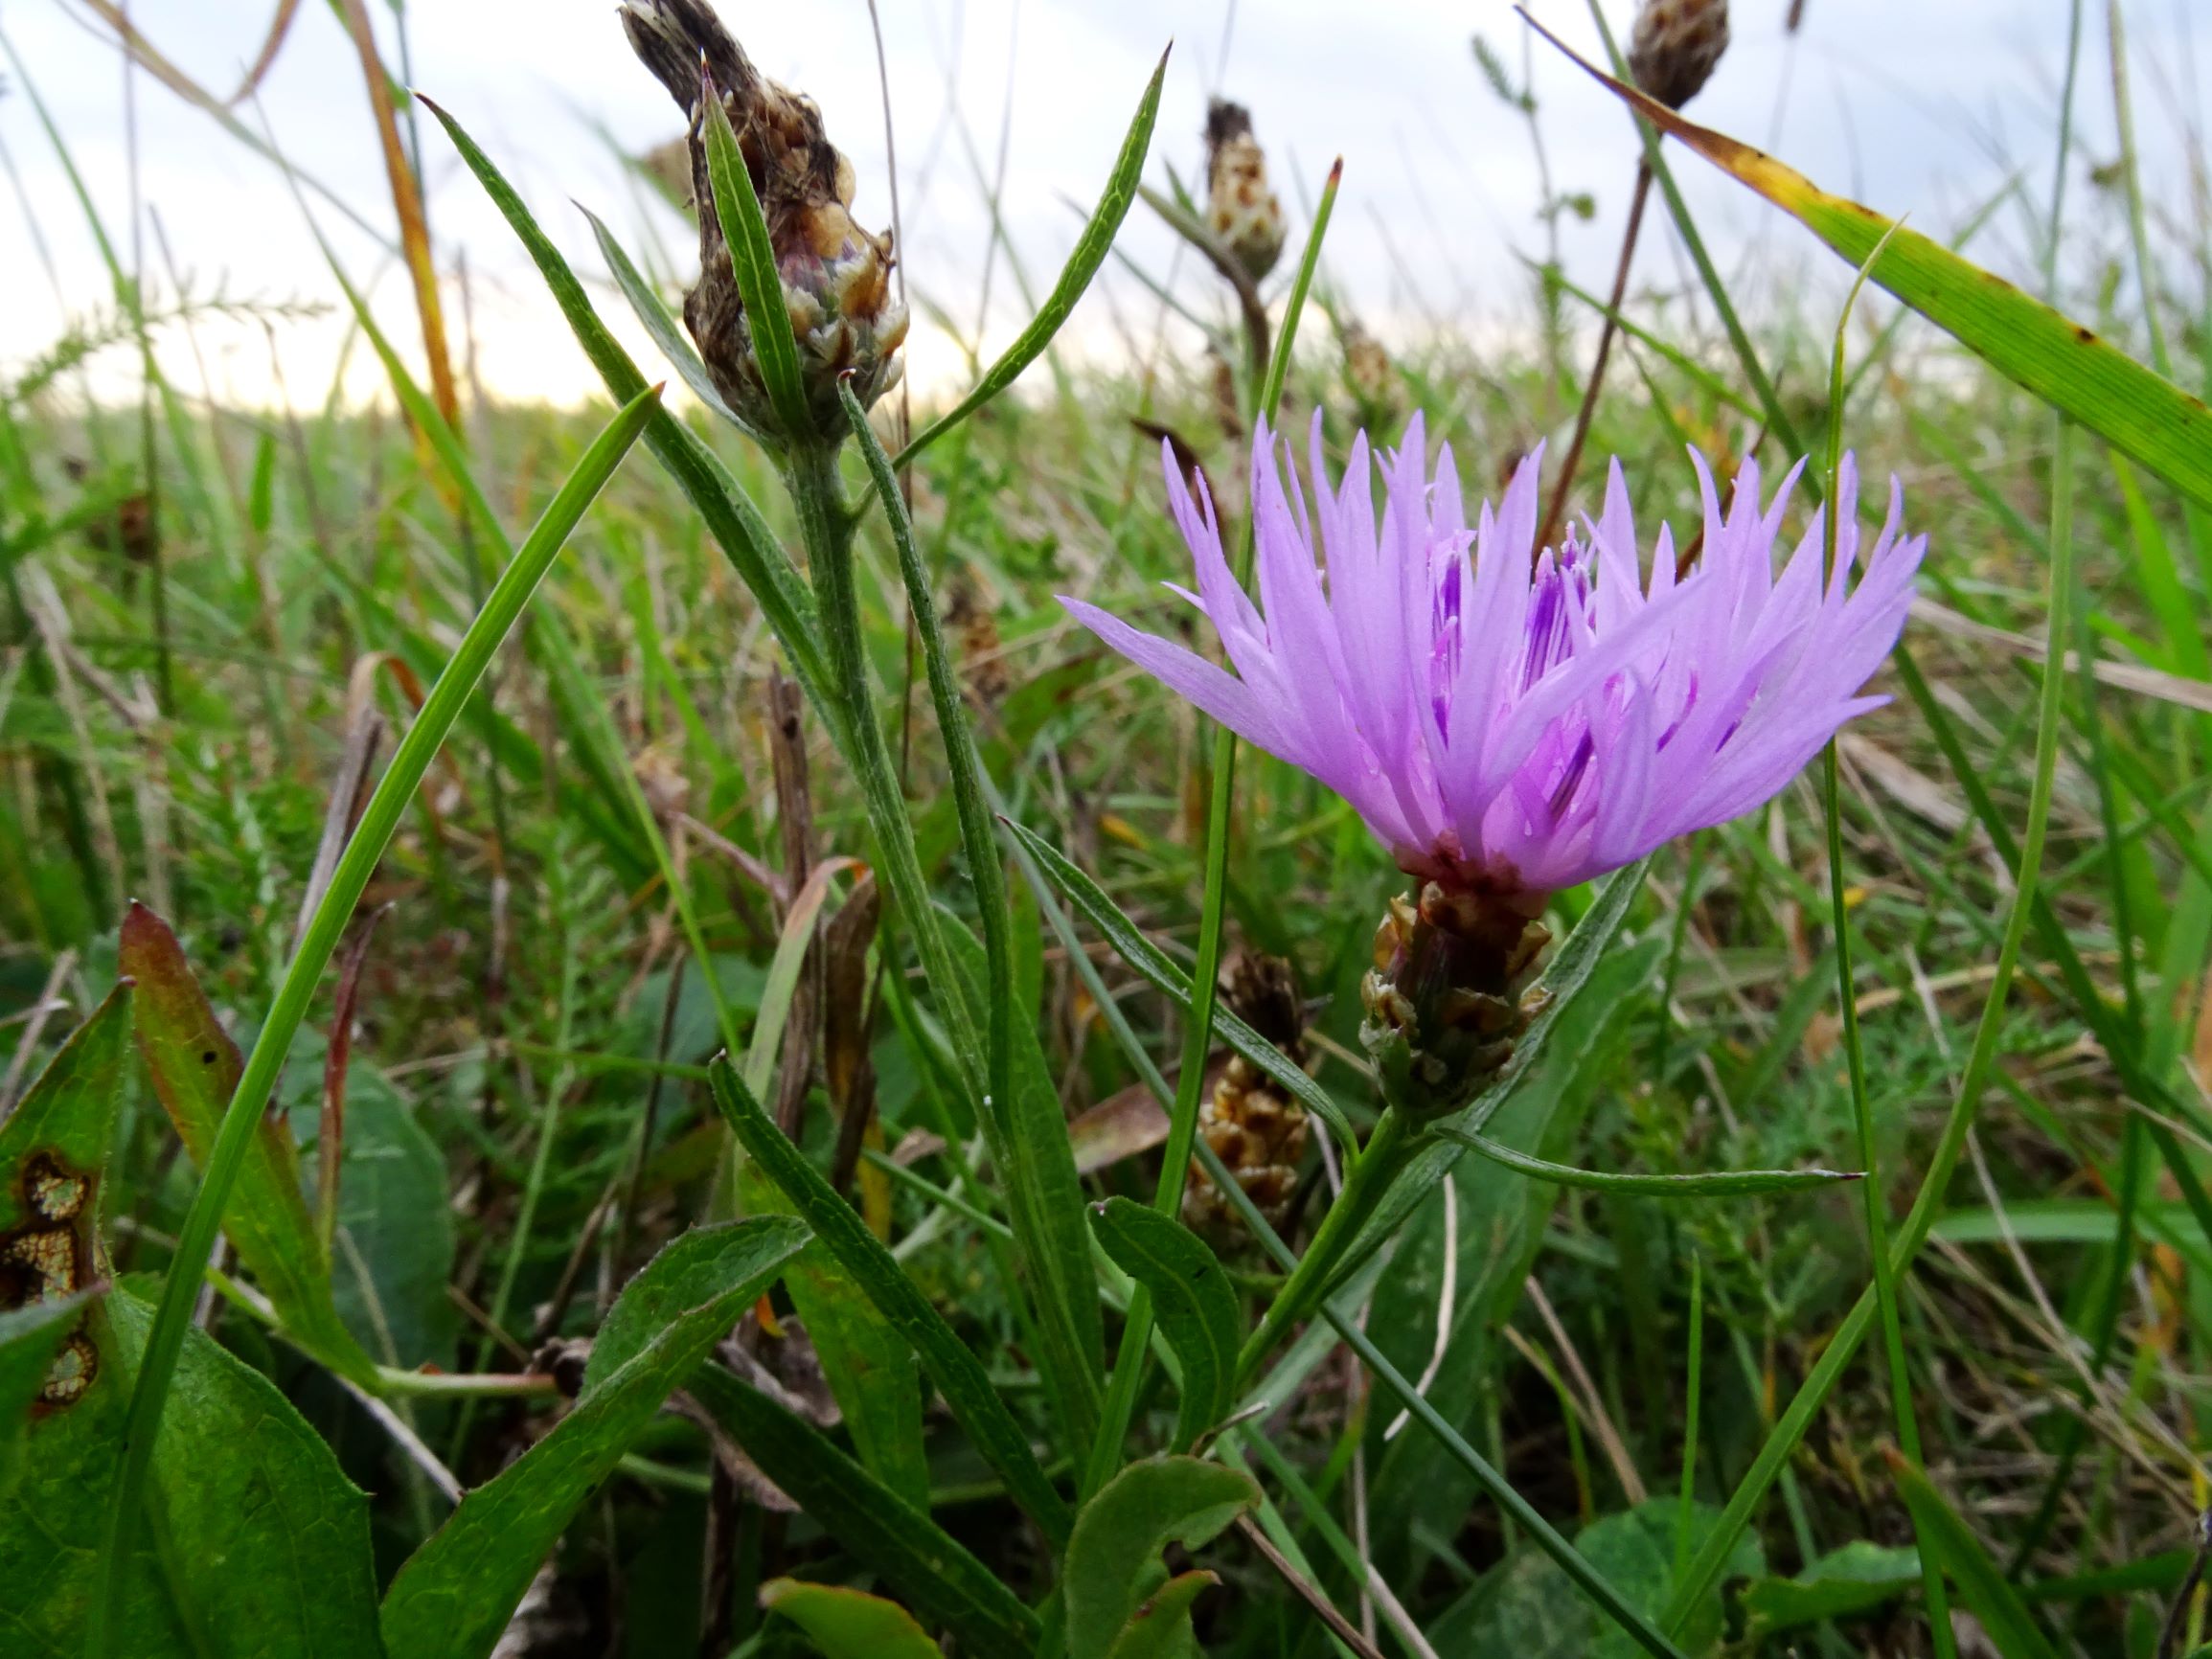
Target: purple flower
1513,720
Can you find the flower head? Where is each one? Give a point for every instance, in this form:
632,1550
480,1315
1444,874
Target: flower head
1512,720
836,276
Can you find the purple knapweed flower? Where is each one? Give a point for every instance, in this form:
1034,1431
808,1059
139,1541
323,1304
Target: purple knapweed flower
1517,720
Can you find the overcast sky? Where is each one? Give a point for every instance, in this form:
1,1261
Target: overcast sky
1922,106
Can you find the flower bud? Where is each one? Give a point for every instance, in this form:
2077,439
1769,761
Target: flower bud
1369,375
1445,1002
836,276
1241,209
1676,46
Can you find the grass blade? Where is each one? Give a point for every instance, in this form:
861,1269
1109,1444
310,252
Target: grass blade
502,609
2139,412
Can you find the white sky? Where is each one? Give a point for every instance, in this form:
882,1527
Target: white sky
1924,107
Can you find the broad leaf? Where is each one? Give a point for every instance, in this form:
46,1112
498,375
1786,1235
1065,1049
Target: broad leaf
31,1339
1191,1295
931,1571
1859,1577
196,1069
849,1624
256,1541
1526,1606
1113,1564
456,1594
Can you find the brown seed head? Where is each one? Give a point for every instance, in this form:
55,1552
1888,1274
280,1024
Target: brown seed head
836,277
1241,209
1676,46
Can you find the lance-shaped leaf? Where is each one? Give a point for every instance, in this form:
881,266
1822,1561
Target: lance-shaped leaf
1090,252
1159,970
1197,1310
1113,1564
935,1575
195,1068
953,1366
2058,359
455,1594
1982,1586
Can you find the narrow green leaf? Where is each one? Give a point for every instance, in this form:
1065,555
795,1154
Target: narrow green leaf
753,263
1197,1310
1719,1184
454,1596
195,1068
1982,1587
953,1366
1113,1565
1090,252
849,1624
1044,1201
379,819
2050,355
1856,1579
731,516
1157,968
912,1554
660,328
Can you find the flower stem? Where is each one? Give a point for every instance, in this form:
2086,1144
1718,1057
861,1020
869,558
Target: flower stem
1389,1148
1547,534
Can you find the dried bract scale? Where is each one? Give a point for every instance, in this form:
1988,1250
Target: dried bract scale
1677,46
1368,372
1254,1127
1512,720
836,276
1241,209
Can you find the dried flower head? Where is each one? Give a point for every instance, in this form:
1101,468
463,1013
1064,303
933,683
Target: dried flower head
1675,47
1241,209
836,277
1517,720
1253,1124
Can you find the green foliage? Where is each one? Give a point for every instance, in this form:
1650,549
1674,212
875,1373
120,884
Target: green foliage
847,1623
1526,1607
1198,1311
454,1596
1115,1587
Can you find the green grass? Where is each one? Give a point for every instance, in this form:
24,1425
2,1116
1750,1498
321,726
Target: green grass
585,849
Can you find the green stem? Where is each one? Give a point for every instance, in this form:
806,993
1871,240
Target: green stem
1389,1148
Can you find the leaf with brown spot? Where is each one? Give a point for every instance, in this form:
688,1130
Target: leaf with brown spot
196,1069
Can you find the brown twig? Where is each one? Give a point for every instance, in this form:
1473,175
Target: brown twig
331,1132
1583,415
1307,1591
